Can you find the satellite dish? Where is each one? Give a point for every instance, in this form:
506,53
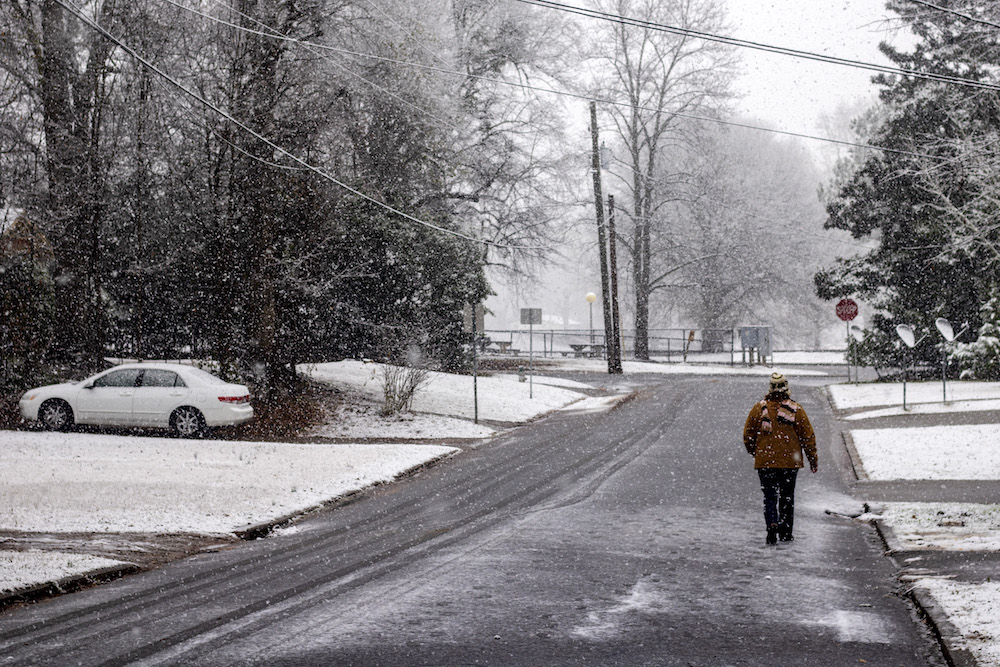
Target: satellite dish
905,332
944,326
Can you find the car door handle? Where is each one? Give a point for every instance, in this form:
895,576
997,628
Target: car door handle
125,393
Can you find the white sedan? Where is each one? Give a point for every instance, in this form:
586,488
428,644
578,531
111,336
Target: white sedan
157,395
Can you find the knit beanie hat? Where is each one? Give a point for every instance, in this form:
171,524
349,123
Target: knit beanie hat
779,385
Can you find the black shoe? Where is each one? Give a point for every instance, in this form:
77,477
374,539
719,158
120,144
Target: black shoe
772,534
786,537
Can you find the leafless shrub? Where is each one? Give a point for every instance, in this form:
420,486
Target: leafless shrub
400,383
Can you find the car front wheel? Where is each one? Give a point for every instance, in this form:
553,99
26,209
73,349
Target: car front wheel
187,422
55,415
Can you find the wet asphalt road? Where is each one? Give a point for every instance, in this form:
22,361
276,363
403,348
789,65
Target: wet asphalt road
630,537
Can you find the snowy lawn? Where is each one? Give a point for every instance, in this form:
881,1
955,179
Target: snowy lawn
975,610
502,398
932,452
77,482
20,570
361,420
854,396
947,526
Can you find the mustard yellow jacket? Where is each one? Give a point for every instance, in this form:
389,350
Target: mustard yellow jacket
777,432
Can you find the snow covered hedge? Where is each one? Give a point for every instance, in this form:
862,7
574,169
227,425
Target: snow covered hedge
980,359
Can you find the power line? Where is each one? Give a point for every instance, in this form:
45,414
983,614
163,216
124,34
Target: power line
760,46
75,11
523,86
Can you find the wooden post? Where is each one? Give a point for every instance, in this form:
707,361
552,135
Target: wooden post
601,241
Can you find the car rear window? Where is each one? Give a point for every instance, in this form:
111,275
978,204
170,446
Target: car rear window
155,377
207,378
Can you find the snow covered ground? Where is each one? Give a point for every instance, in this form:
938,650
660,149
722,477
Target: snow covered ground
958,452
930,452
103,483
97,483
975,610
502,398
948,526
21,570
856,396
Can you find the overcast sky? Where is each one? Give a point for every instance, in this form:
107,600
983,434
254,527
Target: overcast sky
791,93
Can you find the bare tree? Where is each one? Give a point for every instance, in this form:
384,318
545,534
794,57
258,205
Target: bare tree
749,226
658,78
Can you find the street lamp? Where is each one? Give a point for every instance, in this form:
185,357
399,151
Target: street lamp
591,298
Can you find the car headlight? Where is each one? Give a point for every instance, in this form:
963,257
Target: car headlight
29,397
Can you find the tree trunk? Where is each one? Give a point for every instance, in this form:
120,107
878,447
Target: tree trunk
72,123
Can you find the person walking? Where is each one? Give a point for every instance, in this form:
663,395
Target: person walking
776,434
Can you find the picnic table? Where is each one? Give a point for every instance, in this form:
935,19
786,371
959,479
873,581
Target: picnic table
578,350
597,350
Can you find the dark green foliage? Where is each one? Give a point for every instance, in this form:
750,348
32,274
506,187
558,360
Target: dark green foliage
177,234
916,273
27,314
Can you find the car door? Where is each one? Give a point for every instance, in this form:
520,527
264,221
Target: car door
158,393
108,399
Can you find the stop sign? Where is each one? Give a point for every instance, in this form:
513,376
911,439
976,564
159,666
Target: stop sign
847,310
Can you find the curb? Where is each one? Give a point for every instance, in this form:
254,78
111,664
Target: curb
856,466
68,584
947,635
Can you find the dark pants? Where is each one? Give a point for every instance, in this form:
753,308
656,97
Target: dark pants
778,485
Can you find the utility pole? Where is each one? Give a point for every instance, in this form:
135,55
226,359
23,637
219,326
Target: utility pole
601,241
614,350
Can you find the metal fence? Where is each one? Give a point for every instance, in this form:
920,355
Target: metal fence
671,345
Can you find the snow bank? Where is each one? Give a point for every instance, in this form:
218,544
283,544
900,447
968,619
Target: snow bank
75,482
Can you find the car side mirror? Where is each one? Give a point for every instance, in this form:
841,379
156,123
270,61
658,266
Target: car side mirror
89,386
